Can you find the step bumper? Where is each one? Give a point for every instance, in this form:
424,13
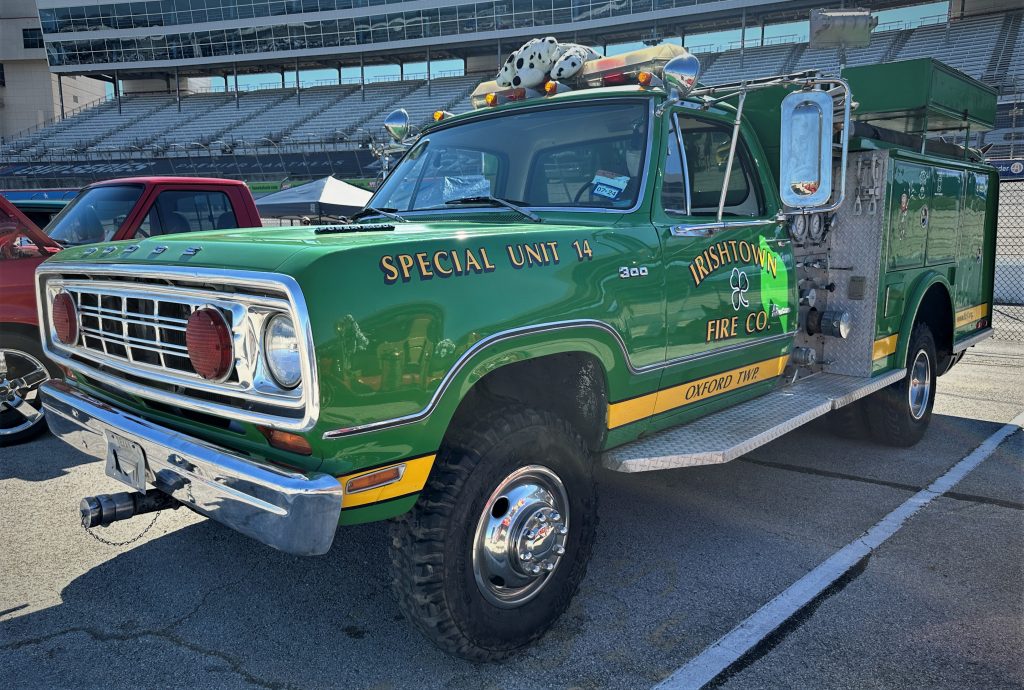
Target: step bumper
292,512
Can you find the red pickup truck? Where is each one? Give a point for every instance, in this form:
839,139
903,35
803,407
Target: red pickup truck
112,210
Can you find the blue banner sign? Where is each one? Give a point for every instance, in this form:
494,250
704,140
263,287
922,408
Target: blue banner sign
1009,169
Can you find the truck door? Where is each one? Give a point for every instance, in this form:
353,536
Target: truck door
971,303
730,303
186,209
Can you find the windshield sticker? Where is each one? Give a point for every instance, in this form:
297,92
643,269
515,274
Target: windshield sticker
462,186
609,185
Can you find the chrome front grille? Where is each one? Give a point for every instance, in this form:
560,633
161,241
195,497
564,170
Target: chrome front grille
132,322
136,329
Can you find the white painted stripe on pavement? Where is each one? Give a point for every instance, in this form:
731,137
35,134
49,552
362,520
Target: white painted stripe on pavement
733,645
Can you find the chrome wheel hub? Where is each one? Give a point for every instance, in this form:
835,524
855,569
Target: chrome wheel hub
920,389
20,377
521,536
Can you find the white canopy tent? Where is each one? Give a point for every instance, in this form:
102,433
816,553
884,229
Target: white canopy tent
325,198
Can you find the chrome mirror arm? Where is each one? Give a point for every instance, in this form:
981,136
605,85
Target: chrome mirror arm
732,153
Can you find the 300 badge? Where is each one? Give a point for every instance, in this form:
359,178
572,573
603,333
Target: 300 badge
632,271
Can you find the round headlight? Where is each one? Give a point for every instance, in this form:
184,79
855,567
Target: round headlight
281,351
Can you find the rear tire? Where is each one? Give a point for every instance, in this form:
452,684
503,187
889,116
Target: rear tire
849,422
511,494
22,357
899,414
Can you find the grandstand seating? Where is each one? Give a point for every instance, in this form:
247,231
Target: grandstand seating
448,94
756,62
989,47
142,132
1005,132
220,114
964,44
344,116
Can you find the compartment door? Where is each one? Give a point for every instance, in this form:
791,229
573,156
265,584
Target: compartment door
909,214
971,303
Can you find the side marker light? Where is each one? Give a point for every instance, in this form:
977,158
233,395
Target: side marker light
375,480
282,440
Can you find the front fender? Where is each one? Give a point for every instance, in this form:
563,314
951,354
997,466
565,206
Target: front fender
422,431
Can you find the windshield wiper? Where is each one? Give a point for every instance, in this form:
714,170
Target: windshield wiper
496,201
386,212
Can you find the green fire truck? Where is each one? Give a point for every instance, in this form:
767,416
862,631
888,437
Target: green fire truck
629,269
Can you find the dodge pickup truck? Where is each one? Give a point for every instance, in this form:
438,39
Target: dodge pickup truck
113,210
627,268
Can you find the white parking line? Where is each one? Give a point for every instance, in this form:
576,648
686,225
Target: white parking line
710,663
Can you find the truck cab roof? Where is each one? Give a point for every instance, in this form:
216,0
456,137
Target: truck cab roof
169,180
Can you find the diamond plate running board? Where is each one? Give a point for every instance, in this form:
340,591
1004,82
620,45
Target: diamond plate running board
735,431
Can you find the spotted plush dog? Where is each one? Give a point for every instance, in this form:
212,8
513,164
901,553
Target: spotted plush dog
571,61
541,59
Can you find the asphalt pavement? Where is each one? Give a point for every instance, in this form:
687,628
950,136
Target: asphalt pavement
682,557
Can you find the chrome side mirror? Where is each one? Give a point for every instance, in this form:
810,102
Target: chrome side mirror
680,74
397,124
805,166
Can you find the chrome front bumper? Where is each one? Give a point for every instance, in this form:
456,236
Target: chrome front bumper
292,512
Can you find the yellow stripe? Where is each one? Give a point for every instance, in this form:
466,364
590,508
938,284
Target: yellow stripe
673,398
629,411
884,347
966,316
415,476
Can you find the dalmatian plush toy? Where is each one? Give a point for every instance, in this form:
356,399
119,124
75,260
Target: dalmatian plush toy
539,58
571,61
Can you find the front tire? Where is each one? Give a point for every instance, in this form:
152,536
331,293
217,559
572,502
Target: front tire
23,368
496,546
899,414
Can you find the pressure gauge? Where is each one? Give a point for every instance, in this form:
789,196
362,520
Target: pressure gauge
816,229
798,228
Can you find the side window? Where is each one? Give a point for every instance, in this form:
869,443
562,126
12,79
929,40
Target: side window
605,173
706,145
673,187
150,225
187,211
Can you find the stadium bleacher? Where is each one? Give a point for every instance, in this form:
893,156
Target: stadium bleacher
261,118
989,47
219,113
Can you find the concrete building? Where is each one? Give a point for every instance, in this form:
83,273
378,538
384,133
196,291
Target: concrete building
161,39
29,93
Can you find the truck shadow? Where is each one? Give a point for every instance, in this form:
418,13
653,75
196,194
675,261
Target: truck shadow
231,606
681,557
23,460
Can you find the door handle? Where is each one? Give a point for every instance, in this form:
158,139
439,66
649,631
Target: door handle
709,229
692,231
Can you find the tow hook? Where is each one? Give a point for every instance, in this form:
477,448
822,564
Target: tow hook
105,509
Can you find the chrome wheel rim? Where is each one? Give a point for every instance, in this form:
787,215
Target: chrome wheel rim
521,536
920,389
20,377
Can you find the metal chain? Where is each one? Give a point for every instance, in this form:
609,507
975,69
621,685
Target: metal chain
100,539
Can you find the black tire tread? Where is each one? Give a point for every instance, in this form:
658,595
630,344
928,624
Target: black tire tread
888,411
849,422
417,538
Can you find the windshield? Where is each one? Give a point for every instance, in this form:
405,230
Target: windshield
95,215
573,156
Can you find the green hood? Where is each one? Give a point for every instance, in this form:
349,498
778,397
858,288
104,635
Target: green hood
268,249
